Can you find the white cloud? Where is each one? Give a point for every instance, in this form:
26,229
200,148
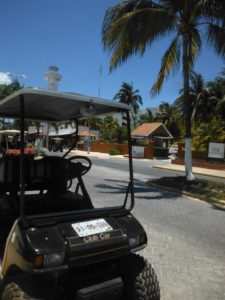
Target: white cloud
5,78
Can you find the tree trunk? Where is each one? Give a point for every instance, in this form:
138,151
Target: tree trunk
187,112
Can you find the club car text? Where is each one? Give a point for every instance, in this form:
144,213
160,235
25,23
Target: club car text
96,238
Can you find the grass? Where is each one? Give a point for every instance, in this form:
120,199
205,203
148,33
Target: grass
210,191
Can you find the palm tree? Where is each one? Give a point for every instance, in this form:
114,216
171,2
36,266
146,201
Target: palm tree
109,125
131,26
206,132
146,117
93,123
202,100
164,113
129,96
217,90
8,89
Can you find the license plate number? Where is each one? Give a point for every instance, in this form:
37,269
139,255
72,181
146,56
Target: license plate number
91,227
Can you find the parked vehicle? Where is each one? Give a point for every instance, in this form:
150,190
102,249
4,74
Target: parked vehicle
54,244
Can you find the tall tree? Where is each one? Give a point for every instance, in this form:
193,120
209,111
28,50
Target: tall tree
217,90
146,117
8,89
131,26
109,125
128,95
202,100
164,113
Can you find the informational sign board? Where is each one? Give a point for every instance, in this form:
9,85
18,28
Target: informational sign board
216,150
138,151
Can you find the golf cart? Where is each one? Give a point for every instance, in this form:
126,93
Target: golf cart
54,242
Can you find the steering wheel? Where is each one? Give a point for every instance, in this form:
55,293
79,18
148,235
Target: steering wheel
78,166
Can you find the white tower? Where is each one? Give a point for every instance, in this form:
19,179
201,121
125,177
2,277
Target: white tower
53,77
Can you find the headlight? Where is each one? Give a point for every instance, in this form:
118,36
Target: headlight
138,241
53,260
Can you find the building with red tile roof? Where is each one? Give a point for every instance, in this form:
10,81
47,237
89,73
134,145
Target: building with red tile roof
153,131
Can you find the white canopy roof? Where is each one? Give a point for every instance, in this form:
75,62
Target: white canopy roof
64,131
55,106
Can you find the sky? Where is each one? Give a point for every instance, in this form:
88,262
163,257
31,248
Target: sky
67,34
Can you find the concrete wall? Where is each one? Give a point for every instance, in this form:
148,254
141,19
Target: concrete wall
123,148
195,154
199,159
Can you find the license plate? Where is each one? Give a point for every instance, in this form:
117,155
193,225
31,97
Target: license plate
91,227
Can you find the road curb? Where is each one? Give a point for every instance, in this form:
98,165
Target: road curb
186,194
213,173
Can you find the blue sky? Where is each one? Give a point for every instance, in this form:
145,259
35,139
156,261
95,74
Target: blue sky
37,34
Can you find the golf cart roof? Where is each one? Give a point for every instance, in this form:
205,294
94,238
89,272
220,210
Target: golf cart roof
54,106
9,132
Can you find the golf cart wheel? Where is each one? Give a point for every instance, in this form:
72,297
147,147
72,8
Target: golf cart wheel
13,292
140,281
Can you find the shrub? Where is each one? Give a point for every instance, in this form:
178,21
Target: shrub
114,151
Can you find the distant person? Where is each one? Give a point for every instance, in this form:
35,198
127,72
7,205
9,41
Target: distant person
89,145
38,145
14,143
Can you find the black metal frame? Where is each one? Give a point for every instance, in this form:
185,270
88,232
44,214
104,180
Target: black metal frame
130,188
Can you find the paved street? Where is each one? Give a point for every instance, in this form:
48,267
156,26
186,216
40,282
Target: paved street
186,237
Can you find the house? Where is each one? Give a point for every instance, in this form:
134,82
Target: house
153,131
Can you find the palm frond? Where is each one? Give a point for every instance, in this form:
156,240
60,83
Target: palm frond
131,32
212,9
194,46
216,38
170,62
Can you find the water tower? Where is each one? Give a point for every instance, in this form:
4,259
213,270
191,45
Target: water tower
53,77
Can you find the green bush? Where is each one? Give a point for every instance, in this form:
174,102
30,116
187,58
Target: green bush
114,151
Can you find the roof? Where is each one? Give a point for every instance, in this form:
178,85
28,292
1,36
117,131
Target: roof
45,105
85,133
10,131
146,129
64,131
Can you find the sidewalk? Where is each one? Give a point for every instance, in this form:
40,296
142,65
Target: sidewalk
199,171
96,154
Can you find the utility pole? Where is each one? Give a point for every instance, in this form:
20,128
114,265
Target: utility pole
99,85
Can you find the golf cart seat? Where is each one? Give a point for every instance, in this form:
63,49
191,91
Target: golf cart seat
48,173
49,178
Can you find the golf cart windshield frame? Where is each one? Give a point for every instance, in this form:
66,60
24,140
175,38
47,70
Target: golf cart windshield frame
23,105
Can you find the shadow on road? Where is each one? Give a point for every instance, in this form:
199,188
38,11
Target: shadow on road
141,190
218,207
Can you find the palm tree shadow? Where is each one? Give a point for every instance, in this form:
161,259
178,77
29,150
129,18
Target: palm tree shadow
218,207
141,190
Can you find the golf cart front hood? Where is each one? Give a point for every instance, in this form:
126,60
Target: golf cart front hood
88,241
94,240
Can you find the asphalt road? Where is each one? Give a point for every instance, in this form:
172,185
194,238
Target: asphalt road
186,237
146,167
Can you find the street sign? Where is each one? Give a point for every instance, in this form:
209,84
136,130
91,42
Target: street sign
216,150
138,151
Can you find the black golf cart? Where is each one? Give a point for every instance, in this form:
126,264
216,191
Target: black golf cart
54,242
